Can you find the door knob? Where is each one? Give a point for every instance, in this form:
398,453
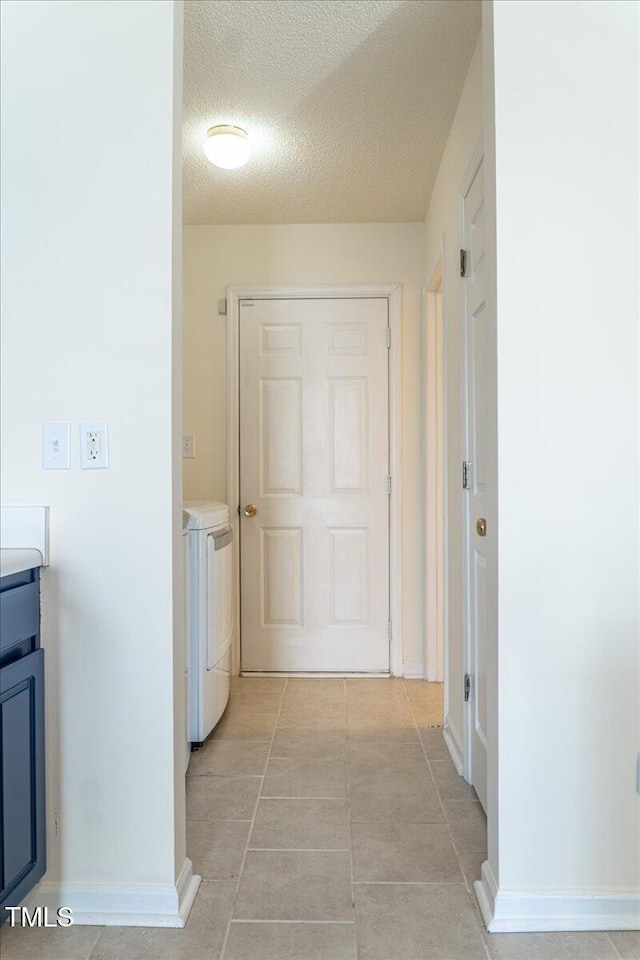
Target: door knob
250,510
481,527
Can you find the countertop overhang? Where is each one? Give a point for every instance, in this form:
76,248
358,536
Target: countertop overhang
16,560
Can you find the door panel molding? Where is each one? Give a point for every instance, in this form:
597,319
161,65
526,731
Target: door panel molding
393,294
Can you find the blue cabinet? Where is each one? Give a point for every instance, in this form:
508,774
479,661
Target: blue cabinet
22,770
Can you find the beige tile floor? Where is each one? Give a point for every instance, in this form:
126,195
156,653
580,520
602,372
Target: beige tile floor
328,823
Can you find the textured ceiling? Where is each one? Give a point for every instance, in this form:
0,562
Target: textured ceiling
348,104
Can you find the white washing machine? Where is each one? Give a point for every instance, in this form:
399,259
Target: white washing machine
210,561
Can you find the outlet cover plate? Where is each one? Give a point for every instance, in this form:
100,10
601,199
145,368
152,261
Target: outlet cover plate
94,446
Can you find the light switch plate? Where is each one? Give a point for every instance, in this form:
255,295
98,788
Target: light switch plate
188,446
94,446
56,446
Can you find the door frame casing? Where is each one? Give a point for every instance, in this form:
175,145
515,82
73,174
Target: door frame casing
435,474
392,292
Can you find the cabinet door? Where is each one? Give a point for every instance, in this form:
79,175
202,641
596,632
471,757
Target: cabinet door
22,789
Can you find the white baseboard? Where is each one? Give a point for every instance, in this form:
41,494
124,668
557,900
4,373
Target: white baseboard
103,904
187,887
413,670
534,911
454,745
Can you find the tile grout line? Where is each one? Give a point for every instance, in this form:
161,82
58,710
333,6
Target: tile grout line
255,810
615,949
326,923
287,797
467,885
93,949
299,849
410,883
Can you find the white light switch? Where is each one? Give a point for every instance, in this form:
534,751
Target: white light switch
56,446
94,446
188,446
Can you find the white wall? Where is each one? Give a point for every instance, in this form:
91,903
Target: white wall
91,98
566,162
216,256
443,234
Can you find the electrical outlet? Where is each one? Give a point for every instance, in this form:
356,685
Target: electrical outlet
94,446
56,446
188,446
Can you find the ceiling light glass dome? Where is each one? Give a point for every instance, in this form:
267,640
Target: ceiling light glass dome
227,146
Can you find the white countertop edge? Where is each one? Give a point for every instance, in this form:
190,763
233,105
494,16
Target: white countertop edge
16,560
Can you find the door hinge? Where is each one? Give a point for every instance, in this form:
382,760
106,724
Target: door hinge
467,474
463,263
389,486
389,630
388,338
467,687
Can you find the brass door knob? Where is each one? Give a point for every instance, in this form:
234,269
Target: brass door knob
250,510
481,527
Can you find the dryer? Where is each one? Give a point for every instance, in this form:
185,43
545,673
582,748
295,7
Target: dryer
210,602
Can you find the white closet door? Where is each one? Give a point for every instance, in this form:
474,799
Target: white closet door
481,506
314,462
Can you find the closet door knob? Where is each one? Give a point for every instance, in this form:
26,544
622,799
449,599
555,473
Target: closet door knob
250,510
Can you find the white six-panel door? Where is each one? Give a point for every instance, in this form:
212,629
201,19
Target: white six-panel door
314,462
481,500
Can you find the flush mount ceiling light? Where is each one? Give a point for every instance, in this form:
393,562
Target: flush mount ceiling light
227,146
